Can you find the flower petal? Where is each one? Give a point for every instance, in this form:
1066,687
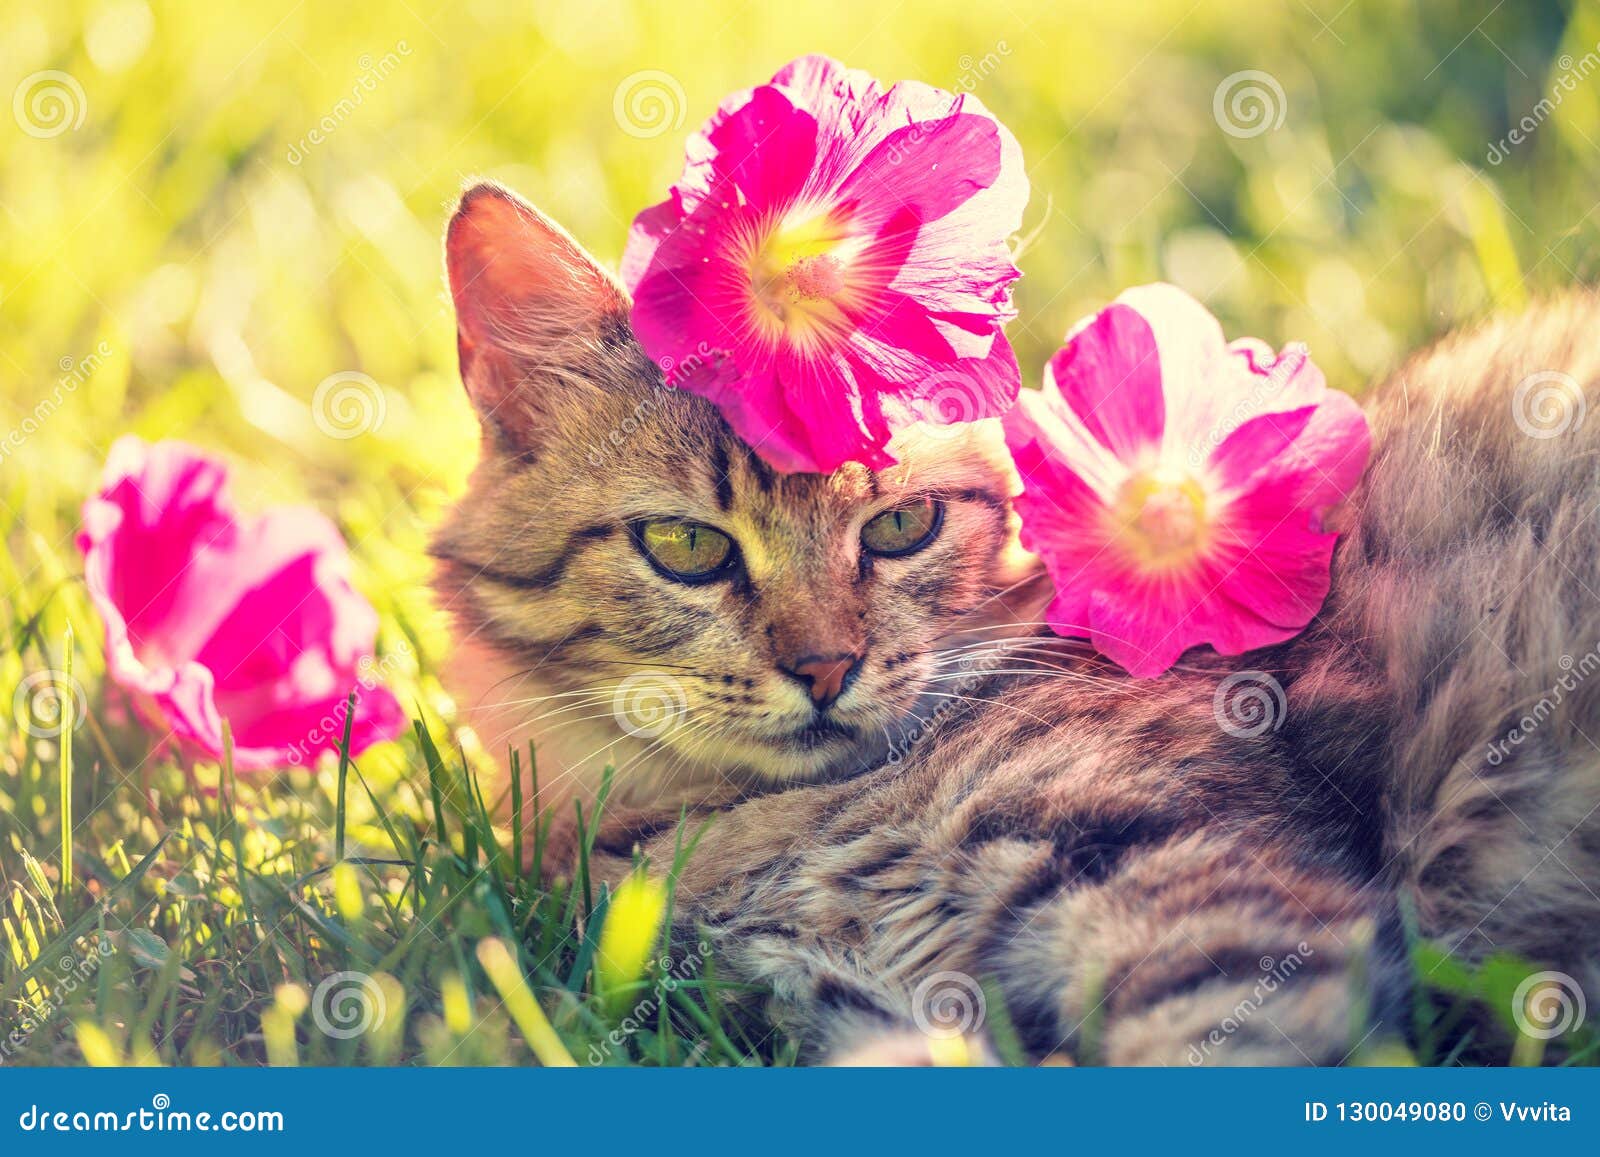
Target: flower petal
209,617
1207,530
1280,551
764,149
1109,375
837,245
1141,632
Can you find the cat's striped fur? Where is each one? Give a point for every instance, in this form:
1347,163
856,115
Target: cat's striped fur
1134,880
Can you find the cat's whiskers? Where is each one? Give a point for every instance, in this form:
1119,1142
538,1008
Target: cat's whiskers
505,734
585,698
1041,663
675,738
533,700
1032,576
692,744
986,703
1032,636
1076,650
1039,670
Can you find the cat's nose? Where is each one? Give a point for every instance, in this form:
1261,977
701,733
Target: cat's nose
826,676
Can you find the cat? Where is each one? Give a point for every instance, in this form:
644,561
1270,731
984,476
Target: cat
923,804
571,638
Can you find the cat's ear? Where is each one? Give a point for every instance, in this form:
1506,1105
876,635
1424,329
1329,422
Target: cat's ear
532,308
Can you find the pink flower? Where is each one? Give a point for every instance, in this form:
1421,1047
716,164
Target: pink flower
832,265
209,617
1176,486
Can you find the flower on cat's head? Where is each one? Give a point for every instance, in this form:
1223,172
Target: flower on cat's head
832,259
1176,486
209,617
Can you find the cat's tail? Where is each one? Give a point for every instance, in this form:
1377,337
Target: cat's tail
1464,665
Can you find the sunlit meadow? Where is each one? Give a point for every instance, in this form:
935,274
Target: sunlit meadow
222,223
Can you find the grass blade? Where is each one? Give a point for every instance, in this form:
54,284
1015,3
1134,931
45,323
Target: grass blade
344,777
536,1028
68,710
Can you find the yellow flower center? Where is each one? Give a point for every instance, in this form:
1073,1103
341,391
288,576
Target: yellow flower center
800,280
1162,517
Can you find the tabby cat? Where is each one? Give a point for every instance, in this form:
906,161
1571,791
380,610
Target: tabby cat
916,789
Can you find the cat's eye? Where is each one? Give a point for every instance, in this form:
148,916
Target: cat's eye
903,530
687,551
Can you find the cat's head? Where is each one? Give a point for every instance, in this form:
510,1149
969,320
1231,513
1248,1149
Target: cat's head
624,554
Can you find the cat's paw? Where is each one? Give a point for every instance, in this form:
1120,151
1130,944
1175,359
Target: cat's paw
611,849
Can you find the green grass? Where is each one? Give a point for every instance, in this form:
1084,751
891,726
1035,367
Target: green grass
378,917
179,266
226,928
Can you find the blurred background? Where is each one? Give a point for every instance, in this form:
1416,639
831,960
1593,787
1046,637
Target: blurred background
222,222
